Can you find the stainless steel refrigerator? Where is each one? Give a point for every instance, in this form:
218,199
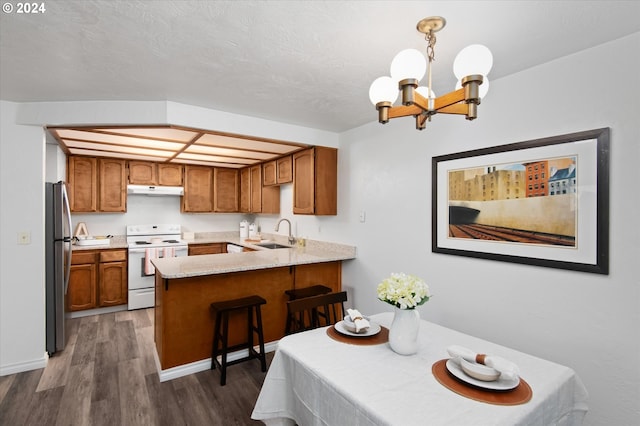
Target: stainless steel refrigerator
58,262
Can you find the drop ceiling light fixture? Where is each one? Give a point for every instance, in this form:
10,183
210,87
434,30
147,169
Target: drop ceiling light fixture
471,67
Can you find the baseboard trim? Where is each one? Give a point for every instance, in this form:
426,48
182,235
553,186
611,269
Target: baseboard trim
21,367
202,365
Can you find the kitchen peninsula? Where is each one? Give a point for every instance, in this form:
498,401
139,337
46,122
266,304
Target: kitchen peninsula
186,286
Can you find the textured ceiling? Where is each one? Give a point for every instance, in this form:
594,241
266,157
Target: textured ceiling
303,62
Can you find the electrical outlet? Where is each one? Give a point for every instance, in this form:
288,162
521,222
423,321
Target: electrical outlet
24,237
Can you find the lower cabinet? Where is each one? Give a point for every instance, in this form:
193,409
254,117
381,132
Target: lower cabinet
98,278
207,248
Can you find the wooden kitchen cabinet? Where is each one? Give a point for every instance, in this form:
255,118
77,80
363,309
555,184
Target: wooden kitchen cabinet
82,179
170,174
150,173
143,173
98,279
284,169
97,185
226,190
198,189
112,185
315,181
81,293
207,248
277,172
112,278
255,198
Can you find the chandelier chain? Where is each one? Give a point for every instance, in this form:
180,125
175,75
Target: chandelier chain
430,37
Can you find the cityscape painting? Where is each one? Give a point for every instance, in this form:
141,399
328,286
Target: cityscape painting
532,202
543,202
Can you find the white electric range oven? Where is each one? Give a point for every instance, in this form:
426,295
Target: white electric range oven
147,242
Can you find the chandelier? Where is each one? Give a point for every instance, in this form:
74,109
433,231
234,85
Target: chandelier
470,66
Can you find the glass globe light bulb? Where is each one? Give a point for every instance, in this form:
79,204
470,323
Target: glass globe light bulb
409,63
474,59
383,89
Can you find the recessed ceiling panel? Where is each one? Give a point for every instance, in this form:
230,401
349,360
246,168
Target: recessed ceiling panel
167,133
170,144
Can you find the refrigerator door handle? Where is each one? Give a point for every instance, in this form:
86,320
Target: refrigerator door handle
67,239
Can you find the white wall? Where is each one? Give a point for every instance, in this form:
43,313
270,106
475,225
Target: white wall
22,338
586,321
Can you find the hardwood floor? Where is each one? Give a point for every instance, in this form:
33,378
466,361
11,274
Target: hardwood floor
107,376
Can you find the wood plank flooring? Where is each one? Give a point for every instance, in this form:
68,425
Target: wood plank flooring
107,376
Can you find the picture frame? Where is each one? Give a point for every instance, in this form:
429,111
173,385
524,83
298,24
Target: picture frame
542,202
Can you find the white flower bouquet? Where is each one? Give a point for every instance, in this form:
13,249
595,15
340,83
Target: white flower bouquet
403,291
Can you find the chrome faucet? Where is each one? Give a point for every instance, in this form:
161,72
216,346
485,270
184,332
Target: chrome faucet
292,239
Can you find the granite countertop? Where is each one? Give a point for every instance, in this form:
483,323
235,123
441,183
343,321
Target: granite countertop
115,242
261,258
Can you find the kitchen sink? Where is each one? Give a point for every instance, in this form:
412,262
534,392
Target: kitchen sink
272,245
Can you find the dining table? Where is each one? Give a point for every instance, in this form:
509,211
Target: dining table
328,377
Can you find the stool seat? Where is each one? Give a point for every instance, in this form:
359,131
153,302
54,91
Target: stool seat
251,304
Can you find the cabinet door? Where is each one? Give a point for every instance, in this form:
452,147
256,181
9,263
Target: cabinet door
284,170
170,174
142,173
269,173
245,190
207,248
256,188
113,185
303,182
82,287
315,181
198,189
82,176
113,283
226,190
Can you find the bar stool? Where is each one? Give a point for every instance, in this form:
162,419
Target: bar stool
221,333
299,293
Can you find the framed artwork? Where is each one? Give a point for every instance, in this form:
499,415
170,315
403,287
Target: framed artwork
542,202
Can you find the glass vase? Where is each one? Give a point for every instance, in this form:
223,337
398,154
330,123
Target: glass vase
403,333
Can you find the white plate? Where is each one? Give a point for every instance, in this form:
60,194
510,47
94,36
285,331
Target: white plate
374,328
500,384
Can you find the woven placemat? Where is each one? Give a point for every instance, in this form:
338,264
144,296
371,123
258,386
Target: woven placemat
521,394
378,339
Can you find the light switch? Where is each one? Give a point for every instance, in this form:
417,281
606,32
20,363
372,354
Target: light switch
362,216
24,237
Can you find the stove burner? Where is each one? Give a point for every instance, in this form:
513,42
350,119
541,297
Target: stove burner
170,241
142,242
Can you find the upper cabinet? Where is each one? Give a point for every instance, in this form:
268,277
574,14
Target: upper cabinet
315,181
100,184
112,184
226,190
198,189
82,177
149,173
254,198
97,185
143,173
277,172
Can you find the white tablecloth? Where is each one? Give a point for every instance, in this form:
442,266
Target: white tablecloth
315,380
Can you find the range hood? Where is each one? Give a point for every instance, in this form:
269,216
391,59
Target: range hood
155,190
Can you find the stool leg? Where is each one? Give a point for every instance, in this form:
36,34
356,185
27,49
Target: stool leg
263,360
216,340
225,341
